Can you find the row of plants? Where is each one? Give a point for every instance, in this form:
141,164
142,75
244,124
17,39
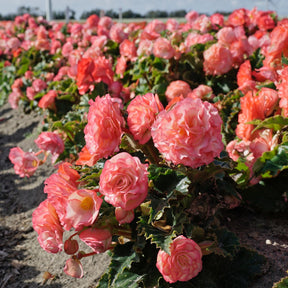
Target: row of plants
155,129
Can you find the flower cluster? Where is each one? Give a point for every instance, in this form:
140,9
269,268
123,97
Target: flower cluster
156,127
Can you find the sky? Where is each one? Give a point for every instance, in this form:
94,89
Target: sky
143,6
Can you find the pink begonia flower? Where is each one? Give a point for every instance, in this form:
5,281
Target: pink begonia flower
195,38
183,263
67,49
99,239
145,47
218,60
39,85
176,89
163,48
124,216
226,36
124,181
189,133
30,93
128,49
142,112
85,158
13,99
82,208
48,100
191,16
104,129
117,32
121,66
201,91
153,29
217,20
59,186
50,141
25,163
46,223
74,268
13,43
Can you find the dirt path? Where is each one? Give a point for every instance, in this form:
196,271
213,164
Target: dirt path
22,260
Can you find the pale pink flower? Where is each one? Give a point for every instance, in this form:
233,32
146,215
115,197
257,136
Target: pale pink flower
103,131
124,181
142,112
176,89
48,100
217,20
25,163
99,239
202,23
145,47
172,25
46,223
30,93
195,38
67,49
128,49
55,47
73,268
226,36
189,133
59,186
106,22
50,141
201,91
39,85
184,261
121,66
282,87
117,32
13,43
217,60
191,16
153,29
124,216
237,149
82,208
13,99
162,48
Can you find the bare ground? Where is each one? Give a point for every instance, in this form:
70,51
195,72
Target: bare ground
23,261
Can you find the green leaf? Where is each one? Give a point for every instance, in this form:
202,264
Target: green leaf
119,274
276,123
272,162
227,242
157,235
283,283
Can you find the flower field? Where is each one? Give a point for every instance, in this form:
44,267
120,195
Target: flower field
155,134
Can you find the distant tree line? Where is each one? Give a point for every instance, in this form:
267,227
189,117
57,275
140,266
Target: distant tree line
131,14
34,11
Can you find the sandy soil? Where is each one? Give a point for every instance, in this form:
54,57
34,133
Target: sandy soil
22,260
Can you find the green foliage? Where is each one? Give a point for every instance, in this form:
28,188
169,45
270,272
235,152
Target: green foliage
118,274
276,123
230,108
7,77
272,162
283,283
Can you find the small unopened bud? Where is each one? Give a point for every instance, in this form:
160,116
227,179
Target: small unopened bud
71,246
